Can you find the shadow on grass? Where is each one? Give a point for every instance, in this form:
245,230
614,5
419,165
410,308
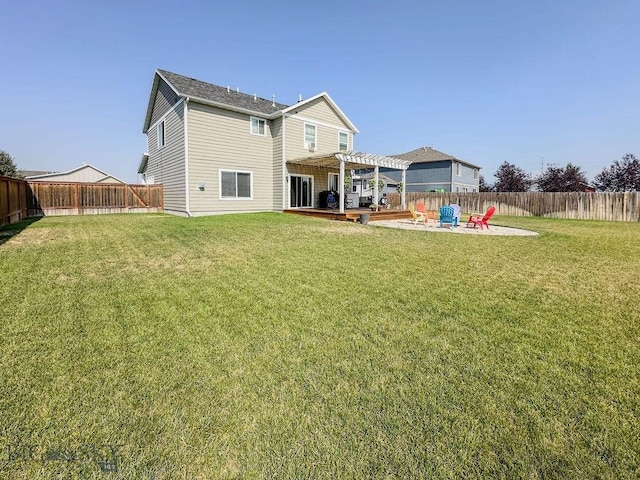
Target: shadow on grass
13,229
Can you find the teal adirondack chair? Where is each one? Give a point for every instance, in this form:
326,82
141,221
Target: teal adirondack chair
447,216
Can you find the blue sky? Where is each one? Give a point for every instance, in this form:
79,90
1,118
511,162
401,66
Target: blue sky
486,81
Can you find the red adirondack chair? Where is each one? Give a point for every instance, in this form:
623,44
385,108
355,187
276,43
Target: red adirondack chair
483,220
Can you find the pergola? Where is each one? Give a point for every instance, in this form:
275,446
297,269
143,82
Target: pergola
355,161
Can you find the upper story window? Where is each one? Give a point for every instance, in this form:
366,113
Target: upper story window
458,169
160,132
258,126
234,184
310,136
343,141
475,173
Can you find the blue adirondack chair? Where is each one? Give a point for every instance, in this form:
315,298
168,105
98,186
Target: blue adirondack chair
447,216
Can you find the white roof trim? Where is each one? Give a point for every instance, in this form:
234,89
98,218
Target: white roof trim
353,160
142,167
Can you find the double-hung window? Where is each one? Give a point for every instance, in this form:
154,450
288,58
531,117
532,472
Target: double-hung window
258,126
310,137
235,184
458,170
160,133
343,141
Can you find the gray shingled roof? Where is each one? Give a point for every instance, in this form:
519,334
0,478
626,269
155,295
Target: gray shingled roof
190,87
429,154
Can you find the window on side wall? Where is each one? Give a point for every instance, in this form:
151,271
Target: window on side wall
310,140
235,185
458,170
160,132
258,126
475,173
343,141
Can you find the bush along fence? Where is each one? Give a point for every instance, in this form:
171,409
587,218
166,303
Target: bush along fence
20,199
613,206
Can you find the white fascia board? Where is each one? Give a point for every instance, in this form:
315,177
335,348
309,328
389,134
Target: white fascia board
331,102
142,167
152,98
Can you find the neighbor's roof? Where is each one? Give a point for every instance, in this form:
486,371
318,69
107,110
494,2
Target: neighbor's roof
73,170
33,173
429,154
381,176
226,97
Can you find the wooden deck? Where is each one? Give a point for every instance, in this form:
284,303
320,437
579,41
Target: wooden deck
351,214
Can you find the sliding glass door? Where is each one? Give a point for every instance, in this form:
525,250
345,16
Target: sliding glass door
301,188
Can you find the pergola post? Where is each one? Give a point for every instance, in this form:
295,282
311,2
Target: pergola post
341,186
404,189
375,188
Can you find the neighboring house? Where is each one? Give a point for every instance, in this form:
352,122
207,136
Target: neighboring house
216,150
33,173
432,170
362,183
85,173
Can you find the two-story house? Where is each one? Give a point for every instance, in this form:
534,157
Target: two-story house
432,171
218,150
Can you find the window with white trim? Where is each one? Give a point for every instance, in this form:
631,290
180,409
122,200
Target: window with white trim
343,141
258,126
475,173
333,181
310,136
235,184
160,133
458,170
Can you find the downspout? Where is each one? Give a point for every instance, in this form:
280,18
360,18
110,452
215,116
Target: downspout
186,156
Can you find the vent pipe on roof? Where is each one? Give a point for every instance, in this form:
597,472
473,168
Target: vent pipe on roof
300,97
273,100
228,89
255,97
237,89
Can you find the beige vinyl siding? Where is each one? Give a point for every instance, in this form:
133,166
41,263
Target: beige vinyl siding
321,110
276,135
165,99
320,179
167,164
221,139
328,127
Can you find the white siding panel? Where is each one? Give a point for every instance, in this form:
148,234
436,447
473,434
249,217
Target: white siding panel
220,139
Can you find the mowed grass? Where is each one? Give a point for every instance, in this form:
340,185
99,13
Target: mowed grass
276,346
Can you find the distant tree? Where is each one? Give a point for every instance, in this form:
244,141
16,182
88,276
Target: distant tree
8,167
622,176
511,179
562,179
483,186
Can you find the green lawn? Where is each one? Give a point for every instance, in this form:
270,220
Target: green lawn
277,346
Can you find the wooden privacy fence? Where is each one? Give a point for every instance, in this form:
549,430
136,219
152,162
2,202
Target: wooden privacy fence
13,200
20,199
615,206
